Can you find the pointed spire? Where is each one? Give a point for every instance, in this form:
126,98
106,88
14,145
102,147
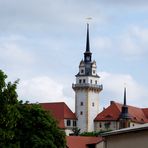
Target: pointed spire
124,96
87,40
87,53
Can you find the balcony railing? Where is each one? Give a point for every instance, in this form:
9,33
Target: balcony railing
87,85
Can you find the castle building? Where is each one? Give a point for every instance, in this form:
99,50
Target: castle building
87,91
87,117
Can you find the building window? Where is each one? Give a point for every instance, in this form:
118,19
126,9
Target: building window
91,81
81,103
94,71
93,104
100,125
80,80
96,82
82,71
74,123
68,122
133,124
107,125
83,80
81,113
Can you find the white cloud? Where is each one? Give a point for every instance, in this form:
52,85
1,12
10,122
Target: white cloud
102,43
43,89
113,89
13,52
133,42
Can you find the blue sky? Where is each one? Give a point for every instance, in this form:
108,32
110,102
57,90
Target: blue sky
42,43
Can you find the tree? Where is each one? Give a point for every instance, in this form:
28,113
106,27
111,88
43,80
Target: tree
37,128
25,125
8,111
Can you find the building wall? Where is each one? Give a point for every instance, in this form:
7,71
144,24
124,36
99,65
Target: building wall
102,125
100,145
87,108
138,139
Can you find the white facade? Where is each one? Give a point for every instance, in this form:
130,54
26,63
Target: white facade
87,90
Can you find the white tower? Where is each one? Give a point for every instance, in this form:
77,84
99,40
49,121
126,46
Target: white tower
87,90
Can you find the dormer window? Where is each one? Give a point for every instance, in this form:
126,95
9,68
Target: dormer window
82,71
94,71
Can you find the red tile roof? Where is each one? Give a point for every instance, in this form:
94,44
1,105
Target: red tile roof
81,141
60,111
113,111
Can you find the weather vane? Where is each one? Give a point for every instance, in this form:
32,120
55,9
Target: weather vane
88,19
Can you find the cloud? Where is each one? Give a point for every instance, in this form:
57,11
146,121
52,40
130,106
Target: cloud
102,44
43,89
113,89
13,53
133,43
125,2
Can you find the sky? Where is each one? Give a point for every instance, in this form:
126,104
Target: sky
43,41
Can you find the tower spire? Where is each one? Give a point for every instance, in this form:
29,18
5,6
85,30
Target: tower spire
87,53
87,40
124,116
124,96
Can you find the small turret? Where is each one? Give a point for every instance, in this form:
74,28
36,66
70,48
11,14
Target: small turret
124,116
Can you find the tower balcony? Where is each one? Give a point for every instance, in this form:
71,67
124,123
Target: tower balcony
87,86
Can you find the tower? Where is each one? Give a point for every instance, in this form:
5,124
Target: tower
87,91
124,116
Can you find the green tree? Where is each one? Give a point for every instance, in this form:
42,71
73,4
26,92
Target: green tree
25,125
8,112
37,128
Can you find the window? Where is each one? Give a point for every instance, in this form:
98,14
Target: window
74,123
93,104
81,113
94,71
91,81
81,103
82,71
83,80
80,81
96,82
100,125
68,122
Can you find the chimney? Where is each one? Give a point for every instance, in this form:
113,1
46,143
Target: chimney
111,102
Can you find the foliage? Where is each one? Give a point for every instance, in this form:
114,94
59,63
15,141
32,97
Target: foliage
76,131
95,134
25,125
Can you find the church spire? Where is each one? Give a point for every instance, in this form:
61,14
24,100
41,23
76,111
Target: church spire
87,54
87,40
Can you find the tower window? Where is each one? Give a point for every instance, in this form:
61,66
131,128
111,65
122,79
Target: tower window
83,80
96,82
80,81
81,113
91,81
82,71
68,122
93,104
94,71
81,103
